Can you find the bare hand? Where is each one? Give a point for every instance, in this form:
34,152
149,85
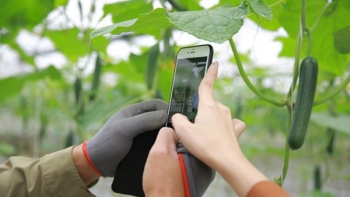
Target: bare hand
162,175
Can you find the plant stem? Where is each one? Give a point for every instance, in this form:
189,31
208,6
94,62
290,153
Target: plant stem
295,66
309,39
246,79
319,17
286,147
303,16
336,91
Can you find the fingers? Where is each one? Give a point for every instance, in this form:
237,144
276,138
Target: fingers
205,90
239,126
135,125
135,109
181,124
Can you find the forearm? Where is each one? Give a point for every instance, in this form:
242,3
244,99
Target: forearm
52,175
240,174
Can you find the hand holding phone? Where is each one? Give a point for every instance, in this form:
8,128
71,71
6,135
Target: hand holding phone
191,66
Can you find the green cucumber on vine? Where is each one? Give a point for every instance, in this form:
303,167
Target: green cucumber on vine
304,102
96,79
152,65
317,178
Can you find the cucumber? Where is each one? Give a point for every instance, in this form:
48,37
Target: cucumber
304,102
79,100
152,65
330,145
96,79
317,178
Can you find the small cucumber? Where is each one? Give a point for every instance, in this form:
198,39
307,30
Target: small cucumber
152,65
330,145
304,102
317,178
96,79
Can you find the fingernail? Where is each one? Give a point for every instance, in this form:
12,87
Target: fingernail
215,63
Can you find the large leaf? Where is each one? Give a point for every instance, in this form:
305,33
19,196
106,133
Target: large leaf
340,122
150,23
216,25
68,42
212,25
126,10
24,14
331,21
260,8
342,40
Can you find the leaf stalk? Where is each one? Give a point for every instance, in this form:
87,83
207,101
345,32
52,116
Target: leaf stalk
246,79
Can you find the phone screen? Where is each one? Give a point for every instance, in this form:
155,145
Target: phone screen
184,97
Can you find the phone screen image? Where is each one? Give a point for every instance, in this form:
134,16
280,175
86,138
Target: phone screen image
184,97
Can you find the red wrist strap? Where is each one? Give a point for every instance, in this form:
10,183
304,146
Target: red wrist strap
184,176
89,159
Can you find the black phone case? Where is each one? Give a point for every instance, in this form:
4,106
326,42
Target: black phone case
128,175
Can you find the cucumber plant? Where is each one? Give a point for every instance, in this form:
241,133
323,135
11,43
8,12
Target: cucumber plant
205,24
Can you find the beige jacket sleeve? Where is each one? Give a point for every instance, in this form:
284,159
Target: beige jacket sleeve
52,175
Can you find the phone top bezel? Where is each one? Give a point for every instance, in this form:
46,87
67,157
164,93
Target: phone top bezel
186,52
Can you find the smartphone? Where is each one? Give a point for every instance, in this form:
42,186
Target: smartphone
192,64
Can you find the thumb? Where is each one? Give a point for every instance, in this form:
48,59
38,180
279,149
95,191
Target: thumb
166,139
143,122
238,126
181,124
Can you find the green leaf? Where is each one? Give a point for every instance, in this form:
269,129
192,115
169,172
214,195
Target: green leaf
13,85
322,38
68,42
212,25
190,4
276,7
288,49
331,21
340,122
24,14
261,8
150,23
60,2
342,40
127,10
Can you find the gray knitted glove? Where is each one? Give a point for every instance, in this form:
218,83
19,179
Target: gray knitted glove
196,175
110,145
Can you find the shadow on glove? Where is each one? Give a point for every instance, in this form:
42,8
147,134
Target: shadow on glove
196,175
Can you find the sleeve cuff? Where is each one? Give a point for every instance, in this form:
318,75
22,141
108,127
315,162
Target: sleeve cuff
61,176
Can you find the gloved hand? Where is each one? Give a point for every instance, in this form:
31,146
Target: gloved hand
196,175
112,142
171,170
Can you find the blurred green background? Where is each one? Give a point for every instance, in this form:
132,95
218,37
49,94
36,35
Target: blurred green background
57,87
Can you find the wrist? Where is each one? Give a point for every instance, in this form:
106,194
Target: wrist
241,174
86,172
